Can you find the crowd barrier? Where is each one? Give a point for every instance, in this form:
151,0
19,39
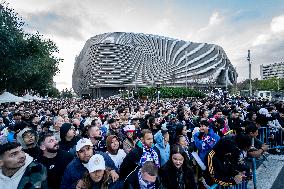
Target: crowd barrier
271,136
243,185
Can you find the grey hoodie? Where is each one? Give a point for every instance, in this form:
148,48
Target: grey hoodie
21,140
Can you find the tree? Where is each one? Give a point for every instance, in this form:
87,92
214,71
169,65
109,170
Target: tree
27,60
66,93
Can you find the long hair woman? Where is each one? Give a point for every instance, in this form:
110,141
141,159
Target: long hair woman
177,172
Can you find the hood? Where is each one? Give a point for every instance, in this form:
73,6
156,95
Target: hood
21,140
19,173
158,137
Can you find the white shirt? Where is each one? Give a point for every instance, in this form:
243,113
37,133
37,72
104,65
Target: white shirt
118,158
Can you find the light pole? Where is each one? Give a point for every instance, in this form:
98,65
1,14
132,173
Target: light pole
135,81
158,93
186,68
226,75
250,86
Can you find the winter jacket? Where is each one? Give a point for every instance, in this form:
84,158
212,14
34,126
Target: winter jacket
132,182
205,142
76,170
68,145
130,162
224,162
169,176
55,167
32,175
164,150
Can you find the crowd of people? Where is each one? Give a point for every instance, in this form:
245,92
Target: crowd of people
126,143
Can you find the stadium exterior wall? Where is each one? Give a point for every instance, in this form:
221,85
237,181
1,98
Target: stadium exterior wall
112,61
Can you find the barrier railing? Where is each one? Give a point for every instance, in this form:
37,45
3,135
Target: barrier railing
271,136
243,185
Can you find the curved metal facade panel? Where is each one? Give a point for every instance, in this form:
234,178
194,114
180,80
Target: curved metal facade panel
127,59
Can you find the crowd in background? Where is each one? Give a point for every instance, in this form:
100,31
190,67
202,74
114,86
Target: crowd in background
128,143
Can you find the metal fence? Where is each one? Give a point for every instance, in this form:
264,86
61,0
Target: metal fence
271,136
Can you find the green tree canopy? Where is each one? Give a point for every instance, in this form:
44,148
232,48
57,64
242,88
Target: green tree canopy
27,60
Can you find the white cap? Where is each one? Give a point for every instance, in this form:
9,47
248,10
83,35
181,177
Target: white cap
83,142
96,162
129,128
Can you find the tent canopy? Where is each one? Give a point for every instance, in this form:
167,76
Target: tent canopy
8,97
30,97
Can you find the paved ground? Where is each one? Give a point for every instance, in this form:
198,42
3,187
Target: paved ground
270,173
279,182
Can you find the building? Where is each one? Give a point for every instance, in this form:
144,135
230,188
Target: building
272,70
113,61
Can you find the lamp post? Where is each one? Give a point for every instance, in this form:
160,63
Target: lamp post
186,69
250,86
158,93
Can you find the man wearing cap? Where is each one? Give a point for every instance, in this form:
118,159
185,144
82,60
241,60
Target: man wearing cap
54,159
75,170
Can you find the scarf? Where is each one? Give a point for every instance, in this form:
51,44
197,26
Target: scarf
149,154
143,184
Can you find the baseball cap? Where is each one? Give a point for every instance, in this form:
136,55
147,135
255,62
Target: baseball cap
96,162
129,128
83,142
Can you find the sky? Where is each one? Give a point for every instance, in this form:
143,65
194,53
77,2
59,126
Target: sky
236,25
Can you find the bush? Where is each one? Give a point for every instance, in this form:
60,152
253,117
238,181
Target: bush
170,92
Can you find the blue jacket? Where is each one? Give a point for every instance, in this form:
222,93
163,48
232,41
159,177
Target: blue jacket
76,170
164,150
206,143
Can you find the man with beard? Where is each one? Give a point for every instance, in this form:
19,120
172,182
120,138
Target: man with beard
76,170
28,139
95,135
54,159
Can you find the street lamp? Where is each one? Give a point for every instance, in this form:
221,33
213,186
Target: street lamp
186,68
158,93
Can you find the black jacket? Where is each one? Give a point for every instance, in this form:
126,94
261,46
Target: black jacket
55,167
132,182
130,162
224,162
169,176
67,145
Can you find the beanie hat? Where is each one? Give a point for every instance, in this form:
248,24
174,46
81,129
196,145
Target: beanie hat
64,130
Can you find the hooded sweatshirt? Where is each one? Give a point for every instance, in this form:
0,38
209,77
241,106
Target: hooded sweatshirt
13,182
164,149
34,151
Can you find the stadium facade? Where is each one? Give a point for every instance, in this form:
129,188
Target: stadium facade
113,61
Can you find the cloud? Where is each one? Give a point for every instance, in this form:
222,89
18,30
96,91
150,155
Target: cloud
277,24
56,24
261,39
